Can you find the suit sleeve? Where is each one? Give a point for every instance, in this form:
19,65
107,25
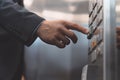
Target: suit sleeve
19,21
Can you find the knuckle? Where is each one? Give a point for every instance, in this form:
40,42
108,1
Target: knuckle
56,35
62,21
59,28
60,46
52,39
74,25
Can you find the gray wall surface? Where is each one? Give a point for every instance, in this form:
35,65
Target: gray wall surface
47,62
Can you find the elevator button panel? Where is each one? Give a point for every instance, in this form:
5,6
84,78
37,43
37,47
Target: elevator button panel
102,40
95,35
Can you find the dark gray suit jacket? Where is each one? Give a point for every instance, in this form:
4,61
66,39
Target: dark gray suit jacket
18,21
17,27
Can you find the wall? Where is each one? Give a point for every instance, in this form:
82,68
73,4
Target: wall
47,62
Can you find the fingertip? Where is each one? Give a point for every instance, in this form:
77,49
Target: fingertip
86,31
68,42
75,40
83,30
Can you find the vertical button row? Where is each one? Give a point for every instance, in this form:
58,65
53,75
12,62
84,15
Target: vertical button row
95,35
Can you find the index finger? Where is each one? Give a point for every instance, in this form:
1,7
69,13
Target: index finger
75,26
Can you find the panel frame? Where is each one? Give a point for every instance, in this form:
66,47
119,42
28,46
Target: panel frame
110,53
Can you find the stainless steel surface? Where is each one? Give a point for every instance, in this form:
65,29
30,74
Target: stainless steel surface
75,10
110,54
105,57
39,5
118,25
118,12
47,62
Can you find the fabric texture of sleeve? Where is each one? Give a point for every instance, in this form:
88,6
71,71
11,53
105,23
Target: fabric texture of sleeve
18,21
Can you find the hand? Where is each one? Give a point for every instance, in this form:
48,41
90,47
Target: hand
59,32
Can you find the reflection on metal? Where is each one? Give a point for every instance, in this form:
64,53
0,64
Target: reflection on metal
118,11
118,8
84,73
77,10
75,0
28,3
110,54
65,16
72,8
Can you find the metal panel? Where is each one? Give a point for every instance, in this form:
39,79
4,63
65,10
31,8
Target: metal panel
102,43
46,62
110,57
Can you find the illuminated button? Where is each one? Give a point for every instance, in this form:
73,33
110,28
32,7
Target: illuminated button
98,50
89,45
101,2
94,24
101,14
90,20
93,56
101,34
101,48
94,44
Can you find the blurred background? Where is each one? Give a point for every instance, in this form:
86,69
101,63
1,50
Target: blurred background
47,62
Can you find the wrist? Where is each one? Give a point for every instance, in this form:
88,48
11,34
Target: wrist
41,24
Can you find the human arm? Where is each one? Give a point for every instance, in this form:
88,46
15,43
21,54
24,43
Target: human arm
59,32
26,26
18,21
